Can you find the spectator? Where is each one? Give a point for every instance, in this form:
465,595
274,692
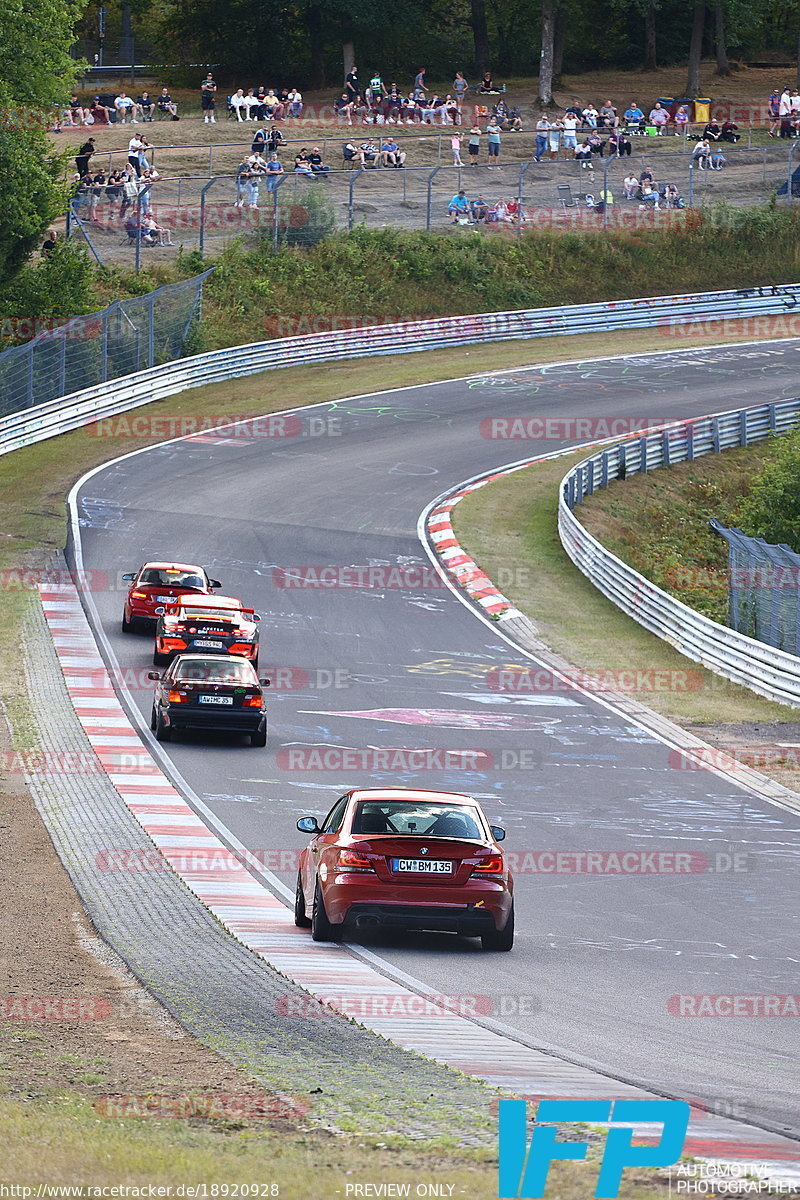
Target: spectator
712,132
717,160
583,155
412,111
274,172
474,145
460,86
351,154
630,186
301,164
701,155
295,99
659,117
77,113
259,143
126,109
774,106
242,180
49,244
343,107
208,99
590,116
618,144
252,105
352,88
455,146
681,119
672,196
728,133
555,131
570,125
459,208
452,113
114,186
419,84
101,113
82,157
135,147
274,109
391,154
274,140
157,234
509,119
167,105
258,169
130,192
608,116
596,143
317,165
785,113
145,105
649,197
369,154
634,117
604,200
237,103
486,86
98,191
493,138
479,209
542,127
394,104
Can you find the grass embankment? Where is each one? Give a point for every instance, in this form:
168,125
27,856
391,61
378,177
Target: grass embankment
381,276
512,522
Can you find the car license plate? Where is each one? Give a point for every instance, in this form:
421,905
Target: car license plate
424,866
206,645
215,699
163,599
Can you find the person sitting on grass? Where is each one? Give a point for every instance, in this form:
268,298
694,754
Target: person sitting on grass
619,144
583,155
479,208
167,105
343,107
317,165
712,131
487,88
301,164
158,234
391,154
728,132
596,143
459,209
701,155
630,186
369,154
608,116
717,160
102,113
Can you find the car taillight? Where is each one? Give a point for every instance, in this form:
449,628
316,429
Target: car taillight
138,595
252,702
350,861
489,866
177,698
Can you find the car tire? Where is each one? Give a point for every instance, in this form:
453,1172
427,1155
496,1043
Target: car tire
321,928
128,626
259,738
500,939
300,918
163,731
153,718
160,660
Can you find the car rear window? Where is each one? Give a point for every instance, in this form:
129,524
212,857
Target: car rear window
406,817
171,578
216,670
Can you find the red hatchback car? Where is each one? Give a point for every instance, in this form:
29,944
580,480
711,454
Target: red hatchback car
156,584
405,859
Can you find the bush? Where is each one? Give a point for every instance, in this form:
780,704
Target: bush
771,510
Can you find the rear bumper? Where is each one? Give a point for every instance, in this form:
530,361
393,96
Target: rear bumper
237,721
466,920
172,647
471,908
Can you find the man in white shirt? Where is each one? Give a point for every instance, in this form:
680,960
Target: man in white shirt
295,103
785,113
570,123
126,108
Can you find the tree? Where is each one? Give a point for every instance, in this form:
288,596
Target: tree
650,57
547,57
720,48
771,510
480,35
696,48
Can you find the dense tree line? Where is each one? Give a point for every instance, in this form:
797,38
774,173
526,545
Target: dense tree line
307,41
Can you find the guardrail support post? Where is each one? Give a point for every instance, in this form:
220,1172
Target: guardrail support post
743,427
434,172
151,330
351,200
715,434
643,455
203,191
104,347
690,442
789,194
522,171
691,185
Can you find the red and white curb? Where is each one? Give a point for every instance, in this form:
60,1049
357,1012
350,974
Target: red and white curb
331,973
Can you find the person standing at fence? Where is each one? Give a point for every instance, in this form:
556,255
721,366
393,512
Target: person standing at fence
493,138
208,101
455,145
554,135
542,129
274,172
135,146
82,157
242,180
474,145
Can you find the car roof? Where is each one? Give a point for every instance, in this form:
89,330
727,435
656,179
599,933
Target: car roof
172,566
415,795
190,598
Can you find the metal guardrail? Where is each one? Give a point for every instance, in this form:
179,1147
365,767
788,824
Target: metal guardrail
84,407
770,672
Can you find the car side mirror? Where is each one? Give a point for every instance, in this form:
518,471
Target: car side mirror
153,675
308,825
129,576
214,583
265,682
256,617
498,833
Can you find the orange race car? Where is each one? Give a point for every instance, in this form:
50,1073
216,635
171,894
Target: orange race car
215,624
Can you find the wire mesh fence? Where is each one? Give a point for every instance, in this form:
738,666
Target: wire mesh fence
202,211
128,336
763,589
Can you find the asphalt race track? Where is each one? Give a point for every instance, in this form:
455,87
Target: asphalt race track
597,958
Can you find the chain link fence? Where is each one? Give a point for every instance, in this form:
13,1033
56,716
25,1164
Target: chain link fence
763,589
128,336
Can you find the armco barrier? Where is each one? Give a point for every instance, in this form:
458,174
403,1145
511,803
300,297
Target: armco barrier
770,672
81,408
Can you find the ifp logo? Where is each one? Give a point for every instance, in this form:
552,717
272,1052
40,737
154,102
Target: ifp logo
523,1170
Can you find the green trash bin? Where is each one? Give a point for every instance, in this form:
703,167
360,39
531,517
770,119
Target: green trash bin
702,110
651,130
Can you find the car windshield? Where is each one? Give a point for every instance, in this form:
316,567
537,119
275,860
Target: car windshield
162,578
215,670
408,817
211,614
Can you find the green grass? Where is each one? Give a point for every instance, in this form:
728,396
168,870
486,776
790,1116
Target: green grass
512,523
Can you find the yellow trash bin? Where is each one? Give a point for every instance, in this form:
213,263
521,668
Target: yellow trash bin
702,110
